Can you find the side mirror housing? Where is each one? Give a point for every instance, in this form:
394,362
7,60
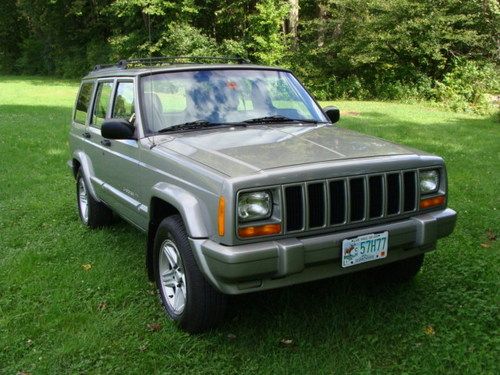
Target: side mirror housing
333,113
117,129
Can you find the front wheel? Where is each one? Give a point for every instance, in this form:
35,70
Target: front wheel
188,299
400,271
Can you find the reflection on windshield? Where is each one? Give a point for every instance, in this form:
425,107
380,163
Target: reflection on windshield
221,96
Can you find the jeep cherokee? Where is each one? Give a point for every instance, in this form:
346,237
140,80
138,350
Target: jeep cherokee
243,183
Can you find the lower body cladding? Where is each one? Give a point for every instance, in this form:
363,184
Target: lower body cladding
278,263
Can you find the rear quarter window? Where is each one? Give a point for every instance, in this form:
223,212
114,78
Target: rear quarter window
83,102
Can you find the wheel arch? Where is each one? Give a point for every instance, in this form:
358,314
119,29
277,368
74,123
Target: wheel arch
167,200
81,161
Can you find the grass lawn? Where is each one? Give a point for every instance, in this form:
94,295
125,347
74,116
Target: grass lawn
78,301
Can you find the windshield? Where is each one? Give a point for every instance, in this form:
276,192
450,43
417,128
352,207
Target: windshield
224,96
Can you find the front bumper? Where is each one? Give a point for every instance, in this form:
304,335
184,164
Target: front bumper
273,264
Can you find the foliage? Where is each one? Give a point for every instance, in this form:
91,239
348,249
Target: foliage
396,49
267,41
385,49
467,85
79,301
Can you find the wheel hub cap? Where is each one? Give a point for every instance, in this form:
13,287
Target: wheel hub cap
83,200
173,279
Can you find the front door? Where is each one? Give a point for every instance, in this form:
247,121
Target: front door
122,162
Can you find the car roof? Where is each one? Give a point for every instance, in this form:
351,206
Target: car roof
120,71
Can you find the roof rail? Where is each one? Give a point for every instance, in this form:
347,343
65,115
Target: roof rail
103,66
167,60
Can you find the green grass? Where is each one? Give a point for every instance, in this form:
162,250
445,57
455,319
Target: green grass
57,317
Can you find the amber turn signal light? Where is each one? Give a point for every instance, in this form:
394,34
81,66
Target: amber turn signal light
221,218
260,230
432,202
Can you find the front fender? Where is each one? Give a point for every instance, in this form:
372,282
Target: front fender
193,211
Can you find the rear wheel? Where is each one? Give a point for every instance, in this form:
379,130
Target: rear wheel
188,299
400,271
93,214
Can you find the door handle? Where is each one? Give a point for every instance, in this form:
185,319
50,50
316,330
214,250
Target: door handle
86,135
106,142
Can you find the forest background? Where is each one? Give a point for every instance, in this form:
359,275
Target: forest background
444,51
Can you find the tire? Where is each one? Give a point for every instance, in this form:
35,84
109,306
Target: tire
93,214
400,271
188,299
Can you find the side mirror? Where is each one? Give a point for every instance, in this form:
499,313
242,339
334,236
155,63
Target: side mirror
117,129
333,113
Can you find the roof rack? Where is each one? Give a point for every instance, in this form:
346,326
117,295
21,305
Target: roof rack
167,60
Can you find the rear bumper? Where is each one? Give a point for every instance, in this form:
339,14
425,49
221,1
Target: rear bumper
273,264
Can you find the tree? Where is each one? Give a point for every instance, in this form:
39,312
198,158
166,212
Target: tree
386,49
266,39
292,24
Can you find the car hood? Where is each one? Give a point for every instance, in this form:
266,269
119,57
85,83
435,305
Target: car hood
244,150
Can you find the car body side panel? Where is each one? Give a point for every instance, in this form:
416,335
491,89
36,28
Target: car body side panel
189,187
122,182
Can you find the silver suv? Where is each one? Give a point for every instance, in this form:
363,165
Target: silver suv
243,183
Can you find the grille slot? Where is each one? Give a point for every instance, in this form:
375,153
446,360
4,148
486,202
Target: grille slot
357,198
410,184
376,187
337,202
393,187
316,200
294,208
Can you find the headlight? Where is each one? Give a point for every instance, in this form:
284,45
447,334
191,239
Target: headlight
429,181
256,205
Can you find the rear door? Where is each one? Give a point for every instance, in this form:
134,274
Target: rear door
79,129
96,149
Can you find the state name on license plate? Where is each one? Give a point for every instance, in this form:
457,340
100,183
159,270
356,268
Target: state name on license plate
364,248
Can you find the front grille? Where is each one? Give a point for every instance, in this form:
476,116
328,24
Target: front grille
325,203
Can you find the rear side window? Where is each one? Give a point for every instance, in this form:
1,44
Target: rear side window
102,97
83,102
124,100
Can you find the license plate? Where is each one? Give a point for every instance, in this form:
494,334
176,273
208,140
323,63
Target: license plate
364,248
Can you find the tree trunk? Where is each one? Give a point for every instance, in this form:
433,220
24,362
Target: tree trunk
322,13
293,20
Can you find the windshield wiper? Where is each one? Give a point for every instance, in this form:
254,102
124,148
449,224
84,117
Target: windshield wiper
188,125
198,124
278,118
